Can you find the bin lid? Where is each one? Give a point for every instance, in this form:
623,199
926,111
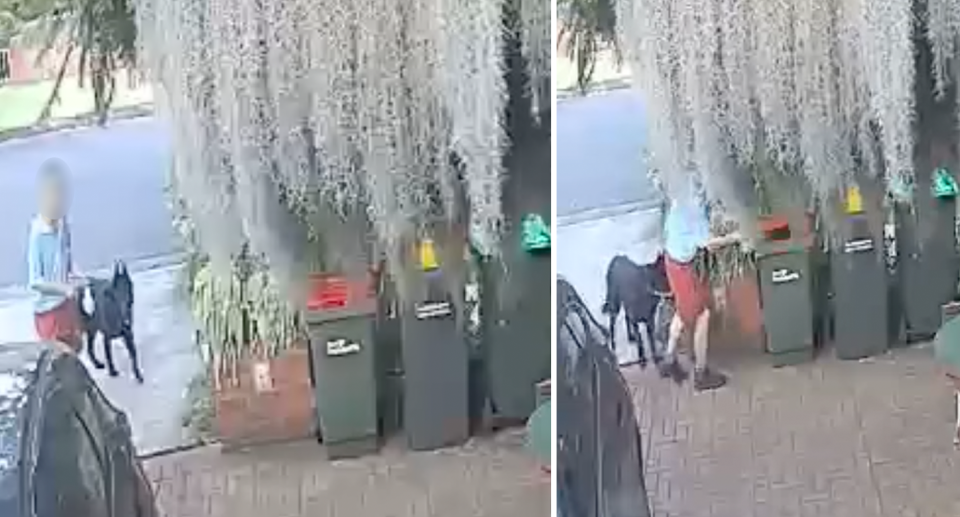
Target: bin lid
854,203
536,233
330,293
942,184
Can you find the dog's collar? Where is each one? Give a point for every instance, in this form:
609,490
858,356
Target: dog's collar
663,294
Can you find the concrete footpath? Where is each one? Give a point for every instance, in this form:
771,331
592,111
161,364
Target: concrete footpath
168,356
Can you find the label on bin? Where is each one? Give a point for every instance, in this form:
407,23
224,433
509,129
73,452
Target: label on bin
262,379
433,310
782,276
858,246
338,347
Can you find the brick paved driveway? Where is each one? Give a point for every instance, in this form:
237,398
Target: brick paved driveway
831,439
490,477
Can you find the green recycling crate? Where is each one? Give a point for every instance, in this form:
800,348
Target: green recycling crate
344,365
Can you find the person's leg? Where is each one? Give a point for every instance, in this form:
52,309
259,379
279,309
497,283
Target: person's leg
673,339
704,378
668,365
680,287
701,340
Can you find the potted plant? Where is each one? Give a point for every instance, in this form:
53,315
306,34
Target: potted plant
258,363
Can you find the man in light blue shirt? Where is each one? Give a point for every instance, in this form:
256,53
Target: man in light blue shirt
687,234
50,262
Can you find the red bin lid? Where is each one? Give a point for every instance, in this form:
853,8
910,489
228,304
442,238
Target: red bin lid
331,292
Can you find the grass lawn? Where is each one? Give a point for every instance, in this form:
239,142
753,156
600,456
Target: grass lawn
20,104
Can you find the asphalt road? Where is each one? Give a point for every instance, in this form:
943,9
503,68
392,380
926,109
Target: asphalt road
600,165
119,210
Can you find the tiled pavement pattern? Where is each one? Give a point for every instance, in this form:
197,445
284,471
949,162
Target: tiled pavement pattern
830,439
489,477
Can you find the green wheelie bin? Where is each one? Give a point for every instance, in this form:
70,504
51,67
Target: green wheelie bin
343,356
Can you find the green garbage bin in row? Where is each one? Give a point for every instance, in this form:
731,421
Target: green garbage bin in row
928,263
516,305
435,367
860,292
786,297
343,356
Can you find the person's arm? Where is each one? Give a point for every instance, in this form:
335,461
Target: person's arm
724,240
35,270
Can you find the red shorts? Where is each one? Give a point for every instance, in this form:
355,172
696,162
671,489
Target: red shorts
59,324
691,293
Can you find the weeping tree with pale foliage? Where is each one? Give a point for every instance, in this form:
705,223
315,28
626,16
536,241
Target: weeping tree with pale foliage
317,135
781,96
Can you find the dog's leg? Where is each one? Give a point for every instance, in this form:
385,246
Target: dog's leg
612,319
633,330
655,354
90,336
108,352
132,350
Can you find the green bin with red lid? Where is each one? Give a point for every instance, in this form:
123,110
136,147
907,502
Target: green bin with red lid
340,315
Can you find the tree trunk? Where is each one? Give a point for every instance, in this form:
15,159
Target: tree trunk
55,94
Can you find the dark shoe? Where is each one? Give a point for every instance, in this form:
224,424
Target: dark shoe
708,379
677,373
665,367
672,370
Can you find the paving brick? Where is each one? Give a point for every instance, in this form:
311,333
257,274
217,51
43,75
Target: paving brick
829,438
489,477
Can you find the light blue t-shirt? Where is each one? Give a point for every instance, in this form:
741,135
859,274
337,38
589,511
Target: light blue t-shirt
48,260
686,229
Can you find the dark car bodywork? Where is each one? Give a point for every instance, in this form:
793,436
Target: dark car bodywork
599,454
65,451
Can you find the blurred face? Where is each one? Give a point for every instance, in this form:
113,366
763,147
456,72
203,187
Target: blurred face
53,199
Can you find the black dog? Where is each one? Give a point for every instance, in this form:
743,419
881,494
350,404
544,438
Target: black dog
106,309
643,292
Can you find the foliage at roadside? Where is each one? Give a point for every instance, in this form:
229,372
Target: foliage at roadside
586,29
94,40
